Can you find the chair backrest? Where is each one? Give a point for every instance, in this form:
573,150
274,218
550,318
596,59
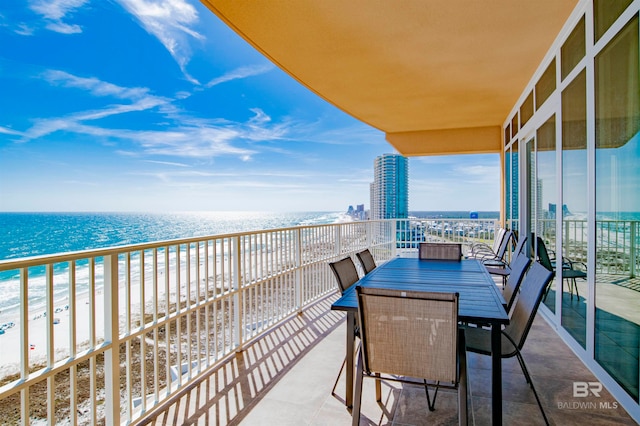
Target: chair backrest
440,251
498,239
518,267
531,291
504,244
366,260
543,254
519,247
409,333
345,272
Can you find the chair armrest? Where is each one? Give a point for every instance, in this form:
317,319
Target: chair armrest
573,263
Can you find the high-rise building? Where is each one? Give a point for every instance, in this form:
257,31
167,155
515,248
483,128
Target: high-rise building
389,191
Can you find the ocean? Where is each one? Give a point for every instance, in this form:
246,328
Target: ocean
35,234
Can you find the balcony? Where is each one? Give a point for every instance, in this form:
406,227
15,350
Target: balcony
286,376
238,328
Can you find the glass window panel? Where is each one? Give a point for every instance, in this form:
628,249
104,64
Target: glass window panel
574,209
507,184
514,125
546,85
573,49
514,187
531,183
547,197
507,134
526,110
605,13
617,99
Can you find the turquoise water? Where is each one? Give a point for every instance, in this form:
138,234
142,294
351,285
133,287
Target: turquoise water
33,234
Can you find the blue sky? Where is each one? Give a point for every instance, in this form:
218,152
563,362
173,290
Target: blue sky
142,105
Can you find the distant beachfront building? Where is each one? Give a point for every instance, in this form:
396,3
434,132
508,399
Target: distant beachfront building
358,213
389,192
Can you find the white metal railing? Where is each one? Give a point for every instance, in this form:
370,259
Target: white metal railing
411,232
616,243
616,240
106,335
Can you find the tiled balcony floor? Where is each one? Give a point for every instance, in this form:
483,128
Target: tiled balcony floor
285,378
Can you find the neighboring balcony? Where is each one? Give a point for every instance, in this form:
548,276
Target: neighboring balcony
237,327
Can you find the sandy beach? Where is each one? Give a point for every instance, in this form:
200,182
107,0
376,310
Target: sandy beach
37,333
63,321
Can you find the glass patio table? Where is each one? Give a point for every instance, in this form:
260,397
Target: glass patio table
480,303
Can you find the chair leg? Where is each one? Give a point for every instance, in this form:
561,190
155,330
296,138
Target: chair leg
431,404
570,285
575,285
357,397
524,368
378,388
546,292
463,416
333,389
528,377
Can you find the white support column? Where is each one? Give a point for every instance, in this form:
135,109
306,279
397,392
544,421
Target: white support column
591,185
632,252
111,336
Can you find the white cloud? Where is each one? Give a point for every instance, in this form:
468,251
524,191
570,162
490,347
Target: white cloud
260,117
180,141
54,11
239,73
62,28
169,21
8,131
93,85
178,136
140,100
44,127
260,130
167,163
24,29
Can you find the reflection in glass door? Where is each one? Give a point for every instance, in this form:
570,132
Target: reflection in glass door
617,295
530,190
574,294
541,196
546,195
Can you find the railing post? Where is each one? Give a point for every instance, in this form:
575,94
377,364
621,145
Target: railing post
298,261
338,240
24,343
566,242
236,283
394,223
112,337
632,249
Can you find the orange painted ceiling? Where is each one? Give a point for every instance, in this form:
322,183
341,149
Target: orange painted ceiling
423,68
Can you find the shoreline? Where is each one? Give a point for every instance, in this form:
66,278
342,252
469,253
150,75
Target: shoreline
37,334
